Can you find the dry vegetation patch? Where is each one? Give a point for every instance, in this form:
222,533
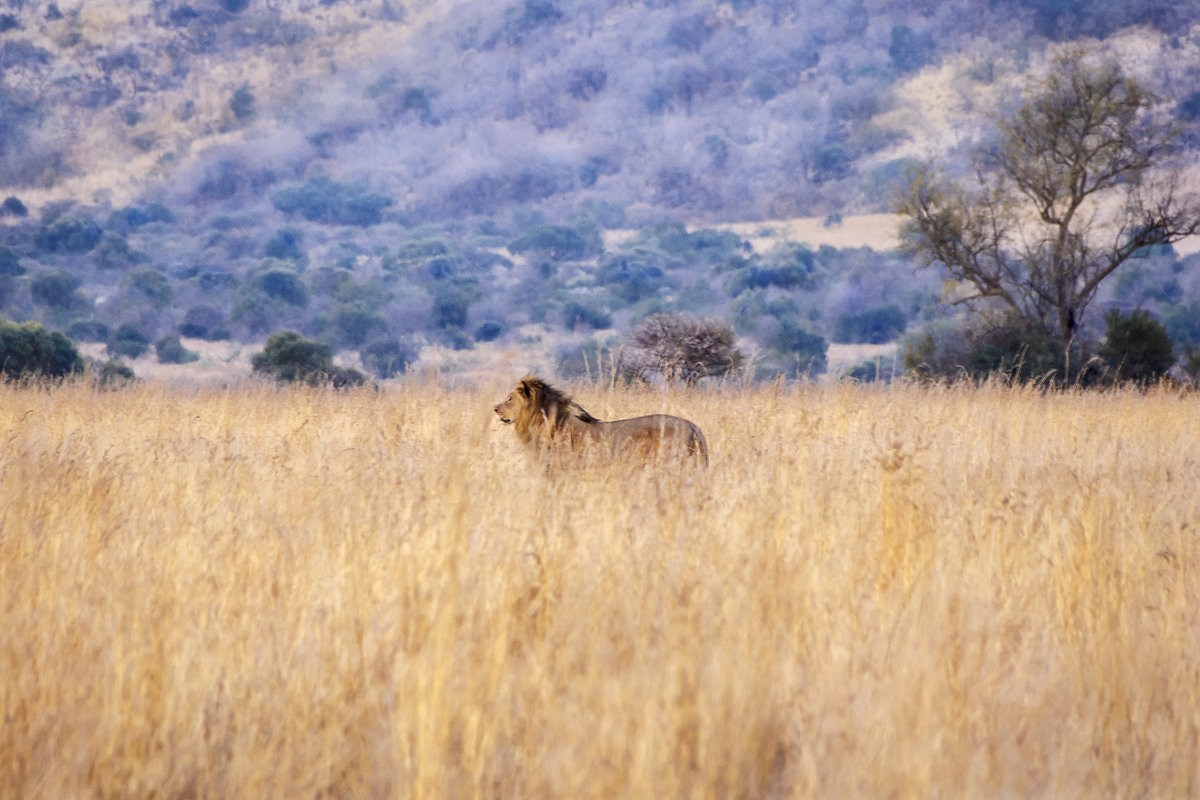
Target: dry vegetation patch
871,592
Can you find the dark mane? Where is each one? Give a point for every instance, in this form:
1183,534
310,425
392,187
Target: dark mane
548,408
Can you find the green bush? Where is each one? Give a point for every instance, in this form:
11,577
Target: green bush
556,242
204,322
1006,348
128,340
113,373
1137,346
14,206
153,284
804,350
756,276
354,325
283,284
68,235
631,277
322,199
576,314
131,218
54,288
489,331
242,104
10,263
88,330
114,253
387,358
874,326
1183,324
450,306
29,350
170,350
290,358
877,369
286,244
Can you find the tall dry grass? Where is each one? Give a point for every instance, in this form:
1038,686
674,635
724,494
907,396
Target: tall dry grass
907,592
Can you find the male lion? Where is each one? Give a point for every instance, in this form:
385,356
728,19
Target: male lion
544,417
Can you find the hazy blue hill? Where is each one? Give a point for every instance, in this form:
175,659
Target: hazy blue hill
374,173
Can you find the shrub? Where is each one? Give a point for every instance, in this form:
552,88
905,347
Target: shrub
112,374
874,326
10,263
1182,323
556,242
591,359
68,235
322,199
488,331
680,347
576,314
1007,348
114,252
288,358
877,369
755,276
54,288
804,350
631,277
88,330
354,325
133,217
170,350
14,206
153,284
204,322
387,358
1137,346
242,104
283,284
128,340
285,245
29,350
450,306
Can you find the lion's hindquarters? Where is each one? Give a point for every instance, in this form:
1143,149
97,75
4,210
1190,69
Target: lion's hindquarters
657,434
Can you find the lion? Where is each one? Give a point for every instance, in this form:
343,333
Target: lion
544,418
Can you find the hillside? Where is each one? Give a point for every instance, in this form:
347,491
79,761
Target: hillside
442,174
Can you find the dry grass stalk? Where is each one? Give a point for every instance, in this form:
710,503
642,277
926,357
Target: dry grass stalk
300,593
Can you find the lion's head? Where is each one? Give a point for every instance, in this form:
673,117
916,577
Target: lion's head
537,410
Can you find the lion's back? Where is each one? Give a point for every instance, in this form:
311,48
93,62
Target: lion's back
656,433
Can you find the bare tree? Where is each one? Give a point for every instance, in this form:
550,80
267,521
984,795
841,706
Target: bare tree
1081,178
680,347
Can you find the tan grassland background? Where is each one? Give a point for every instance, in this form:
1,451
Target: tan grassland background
900,592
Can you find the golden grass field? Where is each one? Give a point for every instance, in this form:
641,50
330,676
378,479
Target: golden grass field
872,592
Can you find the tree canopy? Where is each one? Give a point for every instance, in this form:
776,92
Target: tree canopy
1079,179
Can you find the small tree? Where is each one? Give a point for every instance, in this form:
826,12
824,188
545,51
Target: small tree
128,340
680,347
1080,180
171,351
1137,346
387,358
288,358
29,350
54,288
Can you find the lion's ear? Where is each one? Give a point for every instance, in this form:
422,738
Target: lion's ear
523,388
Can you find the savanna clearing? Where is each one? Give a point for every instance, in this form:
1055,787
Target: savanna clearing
872,592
